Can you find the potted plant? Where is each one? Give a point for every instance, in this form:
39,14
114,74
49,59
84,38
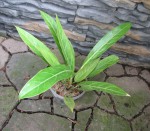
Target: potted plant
62,79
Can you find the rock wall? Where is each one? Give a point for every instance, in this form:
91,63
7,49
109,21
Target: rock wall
85,22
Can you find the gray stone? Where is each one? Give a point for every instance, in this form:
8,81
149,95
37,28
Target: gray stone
79,60
9,12
105,103
3,57
8,98
90,3
3,79
37,122
61,108
142,123
132,70
99,77
115,70
140,16
22,67
57,9
146,75
35,105
127,4
88,99
87,44
14,46
106,122
20,2
139,95
62,3
94,14
82,120
1,39
141,8
126,17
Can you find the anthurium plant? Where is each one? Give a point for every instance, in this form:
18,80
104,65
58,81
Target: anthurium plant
65,73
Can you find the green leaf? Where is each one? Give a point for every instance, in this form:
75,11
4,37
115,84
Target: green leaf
52,28
102,86
38,47
69,101
66,46
44,80
104,64
107,41
85,71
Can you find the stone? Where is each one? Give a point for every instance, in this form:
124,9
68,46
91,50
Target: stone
62,109
40,27
3,57
131,70
133,62
99,77
37,122
87,44
58,55
97,31
62,3
88,99
83,21
127,4
22,67
146,75
82,120
139,95
21,2
8,98
131,49
52,8
2,39
115,70
94,15
35,105
140,16
3,79
14,46
142,123
141,8
104,122
105,103
9,12
79,60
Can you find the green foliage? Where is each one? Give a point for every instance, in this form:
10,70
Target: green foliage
38,47
44,80
85,71
66,46
102,86
69,102
92,66
106,42
104,64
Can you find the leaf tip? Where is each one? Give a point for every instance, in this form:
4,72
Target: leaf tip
128,95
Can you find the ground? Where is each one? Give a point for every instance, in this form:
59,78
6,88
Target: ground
95,111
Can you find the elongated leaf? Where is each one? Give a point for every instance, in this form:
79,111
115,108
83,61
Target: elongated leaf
44,80
102,86
69,101
38,47
52,28
66,46
85,71
104,64
107,41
